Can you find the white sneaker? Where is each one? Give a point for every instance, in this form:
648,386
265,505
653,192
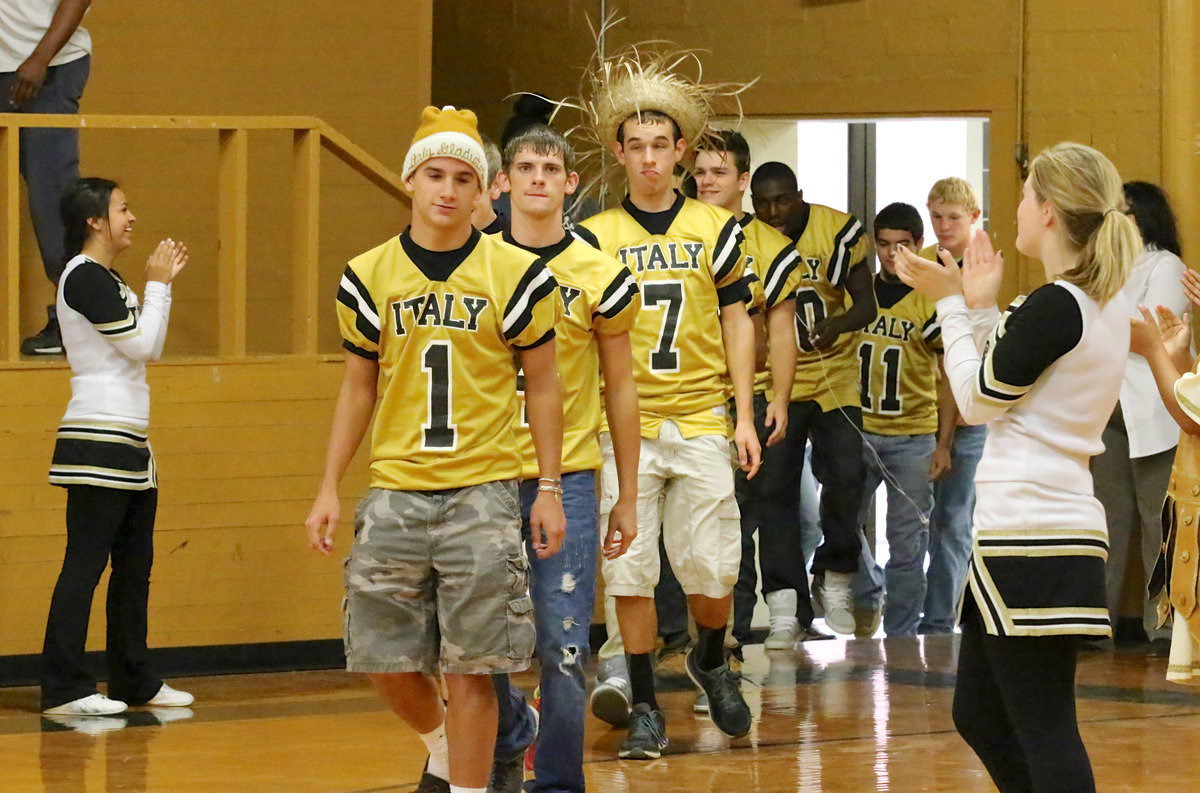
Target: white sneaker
784,627
168,697
91,705
611,701
88,725
835,595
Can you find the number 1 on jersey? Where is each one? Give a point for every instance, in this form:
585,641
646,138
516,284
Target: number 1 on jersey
665,358
438,432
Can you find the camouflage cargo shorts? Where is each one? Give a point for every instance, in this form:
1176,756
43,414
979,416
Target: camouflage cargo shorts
439,580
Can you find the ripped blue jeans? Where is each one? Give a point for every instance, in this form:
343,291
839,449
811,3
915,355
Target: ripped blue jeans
563,589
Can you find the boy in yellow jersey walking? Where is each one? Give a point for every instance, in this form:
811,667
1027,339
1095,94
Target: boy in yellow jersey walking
953,212
834,302
600,303
693,331
899,353
437,577
722,178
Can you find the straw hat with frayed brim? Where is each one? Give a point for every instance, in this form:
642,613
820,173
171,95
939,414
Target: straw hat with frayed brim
648,76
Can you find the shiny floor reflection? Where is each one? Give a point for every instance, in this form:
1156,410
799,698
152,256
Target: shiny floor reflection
867,715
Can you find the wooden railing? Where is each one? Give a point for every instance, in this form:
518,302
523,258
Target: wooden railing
310,136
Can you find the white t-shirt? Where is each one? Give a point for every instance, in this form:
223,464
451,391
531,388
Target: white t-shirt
1154,281
22,25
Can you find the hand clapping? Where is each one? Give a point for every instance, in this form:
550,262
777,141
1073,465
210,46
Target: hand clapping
167,260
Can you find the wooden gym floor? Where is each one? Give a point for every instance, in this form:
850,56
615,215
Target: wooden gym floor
868,715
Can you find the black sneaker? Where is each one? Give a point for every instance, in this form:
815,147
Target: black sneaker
726,707
647,736
508,774
47,341
430,783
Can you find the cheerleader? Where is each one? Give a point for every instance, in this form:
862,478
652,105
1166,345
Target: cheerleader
1045,377
103,459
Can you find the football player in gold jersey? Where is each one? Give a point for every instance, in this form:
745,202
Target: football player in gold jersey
722,178
834,302
899,353
600,303
953,211
437,576
692,333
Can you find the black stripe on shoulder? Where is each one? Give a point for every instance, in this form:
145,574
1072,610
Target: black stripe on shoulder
351,290
618,295
535,285
843,243
584,234
728,250
779,272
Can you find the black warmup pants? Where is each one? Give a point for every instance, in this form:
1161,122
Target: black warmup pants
1014,704
838,465
778,474
102,523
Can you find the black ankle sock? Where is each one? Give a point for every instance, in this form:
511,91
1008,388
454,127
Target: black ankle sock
710,647
641,679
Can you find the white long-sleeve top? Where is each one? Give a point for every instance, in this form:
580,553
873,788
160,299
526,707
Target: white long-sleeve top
1154,281
1045,377
108,337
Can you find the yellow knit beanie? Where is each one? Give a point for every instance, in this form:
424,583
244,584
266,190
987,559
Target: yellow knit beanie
447,133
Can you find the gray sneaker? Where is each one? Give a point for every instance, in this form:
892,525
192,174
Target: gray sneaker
610,701
647,736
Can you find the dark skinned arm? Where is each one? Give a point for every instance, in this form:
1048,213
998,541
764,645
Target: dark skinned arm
32,72
860,286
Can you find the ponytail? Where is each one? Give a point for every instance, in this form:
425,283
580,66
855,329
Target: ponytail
87,198
1088,199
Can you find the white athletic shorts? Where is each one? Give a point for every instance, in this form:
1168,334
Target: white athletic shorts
685,490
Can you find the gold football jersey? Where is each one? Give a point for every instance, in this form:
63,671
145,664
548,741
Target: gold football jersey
444,326
831,244
898,363
599,295
688,263
775,263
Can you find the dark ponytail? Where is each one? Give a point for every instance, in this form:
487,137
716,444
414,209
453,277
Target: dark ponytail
87,198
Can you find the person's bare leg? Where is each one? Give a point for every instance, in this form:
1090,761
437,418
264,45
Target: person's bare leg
414,697
471,729
709,612
639,624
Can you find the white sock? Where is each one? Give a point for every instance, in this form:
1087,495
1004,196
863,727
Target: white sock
439,752
457,789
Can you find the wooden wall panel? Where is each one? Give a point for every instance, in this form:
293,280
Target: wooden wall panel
237,477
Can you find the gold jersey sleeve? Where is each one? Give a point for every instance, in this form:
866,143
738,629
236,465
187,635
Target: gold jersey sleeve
898,363
446,414
688,265
775,262
831,244
599,296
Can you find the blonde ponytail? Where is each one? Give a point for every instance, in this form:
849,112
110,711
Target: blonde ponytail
1089,201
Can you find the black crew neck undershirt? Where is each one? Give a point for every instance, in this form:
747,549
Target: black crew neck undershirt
499,224
889,293
438,265
656,223
545,253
